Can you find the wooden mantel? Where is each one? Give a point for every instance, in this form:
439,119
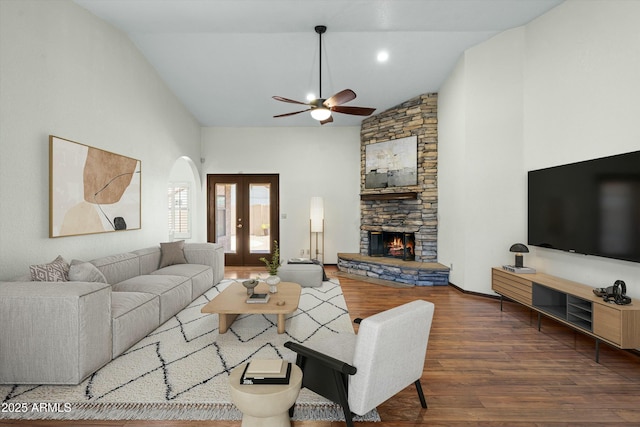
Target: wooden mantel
408,195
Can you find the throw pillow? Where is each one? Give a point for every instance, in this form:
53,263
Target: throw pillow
172,253
82,271
55,271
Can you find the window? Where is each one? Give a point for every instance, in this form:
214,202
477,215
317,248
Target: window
180,210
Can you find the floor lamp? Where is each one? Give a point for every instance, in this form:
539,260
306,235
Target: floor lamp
316,227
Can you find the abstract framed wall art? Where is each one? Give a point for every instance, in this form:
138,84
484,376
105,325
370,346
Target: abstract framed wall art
91,190
392,163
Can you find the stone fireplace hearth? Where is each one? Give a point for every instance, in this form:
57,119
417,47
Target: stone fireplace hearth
401,211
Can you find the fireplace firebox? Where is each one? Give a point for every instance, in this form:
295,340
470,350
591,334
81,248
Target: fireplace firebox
393,244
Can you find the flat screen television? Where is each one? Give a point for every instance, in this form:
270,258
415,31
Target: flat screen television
590,207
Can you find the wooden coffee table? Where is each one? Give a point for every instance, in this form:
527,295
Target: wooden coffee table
231,302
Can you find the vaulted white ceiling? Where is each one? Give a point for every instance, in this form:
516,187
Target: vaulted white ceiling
225,59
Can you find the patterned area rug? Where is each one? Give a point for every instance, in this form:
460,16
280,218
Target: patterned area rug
180,371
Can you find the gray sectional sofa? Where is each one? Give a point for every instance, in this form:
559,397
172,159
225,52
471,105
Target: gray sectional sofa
62,332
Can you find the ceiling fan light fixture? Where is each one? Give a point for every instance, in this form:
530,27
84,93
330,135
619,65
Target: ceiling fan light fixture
320,113
320,108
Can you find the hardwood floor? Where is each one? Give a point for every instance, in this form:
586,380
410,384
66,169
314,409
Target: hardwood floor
484,367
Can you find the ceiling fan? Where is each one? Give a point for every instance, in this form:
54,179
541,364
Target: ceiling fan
321,108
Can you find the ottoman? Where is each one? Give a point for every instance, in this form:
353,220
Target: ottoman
265,405
306,275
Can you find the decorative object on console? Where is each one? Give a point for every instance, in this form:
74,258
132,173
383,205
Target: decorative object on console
316,226
616,293
272,268
518,267
91,190
518,248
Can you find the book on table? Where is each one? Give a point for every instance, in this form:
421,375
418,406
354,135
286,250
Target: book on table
266,371
258,299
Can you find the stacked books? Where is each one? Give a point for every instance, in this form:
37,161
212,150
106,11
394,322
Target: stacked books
266,371
258,299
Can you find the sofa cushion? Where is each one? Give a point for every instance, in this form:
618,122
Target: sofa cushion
174,291
134,315
55,271
201,276
211,254
149,259
81,271
172,253
117,268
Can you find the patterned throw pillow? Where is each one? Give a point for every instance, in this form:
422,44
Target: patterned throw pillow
56,271
82,271
172,253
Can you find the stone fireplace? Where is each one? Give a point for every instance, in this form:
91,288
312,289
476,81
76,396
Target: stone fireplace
408,209
408,215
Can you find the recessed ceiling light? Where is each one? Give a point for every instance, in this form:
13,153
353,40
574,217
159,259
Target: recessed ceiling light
310,97
383,56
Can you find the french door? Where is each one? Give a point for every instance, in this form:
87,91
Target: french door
242,215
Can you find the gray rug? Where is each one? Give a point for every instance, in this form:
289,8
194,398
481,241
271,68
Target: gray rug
180,371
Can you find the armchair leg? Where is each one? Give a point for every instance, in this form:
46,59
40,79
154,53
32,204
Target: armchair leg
423,401
342,396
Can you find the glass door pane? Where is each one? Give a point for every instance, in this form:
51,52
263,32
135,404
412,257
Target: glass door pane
226,212
259,218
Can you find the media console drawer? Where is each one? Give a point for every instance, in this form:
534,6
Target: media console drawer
607,323
516,288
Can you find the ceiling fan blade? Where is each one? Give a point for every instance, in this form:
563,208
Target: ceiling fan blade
291,114
292,101
340,98
329,120
356,111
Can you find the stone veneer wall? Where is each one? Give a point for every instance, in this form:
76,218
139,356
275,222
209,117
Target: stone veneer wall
419,117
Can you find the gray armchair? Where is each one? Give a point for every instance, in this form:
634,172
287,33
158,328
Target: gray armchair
361,371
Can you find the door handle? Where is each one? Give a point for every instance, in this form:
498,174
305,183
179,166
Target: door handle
239,226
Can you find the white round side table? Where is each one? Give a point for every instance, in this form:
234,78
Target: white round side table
265,405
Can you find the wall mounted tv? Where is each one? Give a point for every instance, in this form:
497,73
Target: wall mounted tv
590,207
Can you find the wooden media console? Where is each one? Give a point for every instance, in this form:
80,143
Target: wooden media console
573,304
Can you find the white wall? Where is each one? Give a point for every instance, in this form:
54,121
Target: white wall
452,158
585,57
312,161
67,73
563,88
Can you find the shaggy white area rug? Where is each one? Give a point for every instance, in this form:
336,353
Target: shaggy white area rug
180,371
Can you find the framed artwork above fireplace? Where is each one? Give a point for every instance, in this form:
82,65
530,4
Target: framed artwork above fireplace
392,163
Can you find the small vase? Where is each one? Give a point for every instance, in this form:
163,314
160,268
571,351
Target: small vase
272,281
